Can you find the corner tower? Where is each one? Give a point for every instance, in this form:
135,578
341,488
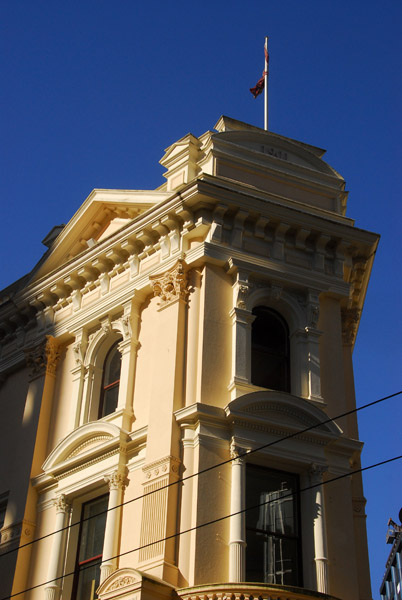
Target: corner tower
215,319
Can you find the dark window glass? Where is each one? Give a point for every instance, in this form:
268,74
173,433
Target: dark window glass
89,557
272,527
270,350
3,508
110,382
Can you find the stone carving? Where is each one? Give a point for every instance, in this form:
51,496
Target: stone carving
43,358
122,582
276,291
172,285
313,313
316,473
161,468
61,504
236,452
350,321
53,354
116,480
243,290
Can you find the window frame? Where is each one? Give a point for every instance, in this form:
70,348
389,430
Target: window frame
95,560
114,348
297,521
267,351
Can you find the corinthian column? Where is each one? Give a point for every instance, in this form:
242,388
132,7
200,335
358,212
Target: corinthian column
320,538
117,482
237,542
56,559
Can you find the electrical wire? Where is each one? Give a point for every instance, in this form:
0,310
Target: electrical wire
206,470
217,520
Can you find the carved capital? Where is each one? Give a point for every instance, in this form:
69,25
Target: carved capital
237,453
172,285
243,291
53,354
61,504
116,481
43,358
350,321
316,473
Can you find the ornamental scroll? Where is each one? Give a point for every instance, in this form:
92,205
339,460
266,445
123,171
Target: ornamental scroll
172,285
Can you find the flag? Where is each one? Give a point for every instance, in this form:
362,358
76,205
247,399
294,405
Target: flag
259,86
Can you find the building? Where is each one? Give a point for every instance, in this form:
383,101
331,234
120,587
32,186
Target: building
179,356
391,586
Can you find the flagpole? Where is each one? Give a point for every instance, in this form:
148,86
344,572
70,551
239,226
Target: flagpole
266,86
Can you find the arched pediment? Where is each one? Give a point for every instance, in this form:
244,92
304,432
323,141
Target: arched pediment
82,444
124,582
281,409
268,144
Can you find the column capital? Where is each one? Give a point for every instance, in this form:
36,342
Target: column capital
61,504
171,285
316,473
116,481
237,453
43,358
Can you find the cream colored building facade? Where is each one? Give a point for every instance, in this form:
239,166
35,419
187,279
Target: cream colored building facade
177,357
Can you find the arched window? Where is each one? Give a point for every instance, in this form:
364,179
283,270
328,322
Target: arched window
270,364
110,382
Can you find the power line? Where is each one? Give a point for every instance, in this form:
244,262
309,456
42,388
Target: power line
217,520
206,470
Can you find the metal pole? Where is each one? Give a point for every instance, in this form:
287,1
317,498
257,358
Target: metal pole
266,85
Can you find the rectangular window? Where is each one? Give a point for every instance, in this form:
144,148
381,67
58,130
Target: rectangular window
272,528
90,546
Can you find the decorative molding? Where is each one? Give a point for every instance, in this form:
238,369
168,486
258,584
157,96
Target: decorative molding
171,285
116,481
53,353
43,358
93,441
13,533
237,453
161,468
316,473
61,504
350,320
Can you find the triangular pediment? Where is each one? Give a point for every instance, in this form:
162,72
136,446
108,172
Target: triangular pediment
103,214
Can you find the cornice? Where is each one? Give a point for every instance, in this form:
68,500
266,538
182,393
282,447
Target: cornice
186,215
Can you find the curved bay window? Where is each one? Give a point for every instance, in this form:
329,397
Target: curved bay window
110,382
90,547
272,527
270,360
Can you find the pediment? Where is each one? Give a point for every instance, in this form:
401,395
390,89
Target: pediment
278,151
103,213
281,410
82,445
128,582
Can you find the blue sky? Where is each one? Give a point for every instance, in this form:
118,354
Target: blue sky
93,91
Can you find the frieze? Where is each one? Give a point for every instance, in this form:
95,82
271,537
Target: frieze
161,468
16,531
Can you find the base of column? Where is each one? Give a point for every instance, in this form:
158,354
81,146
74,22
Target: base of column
52,592
237,571
106,569
322,575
